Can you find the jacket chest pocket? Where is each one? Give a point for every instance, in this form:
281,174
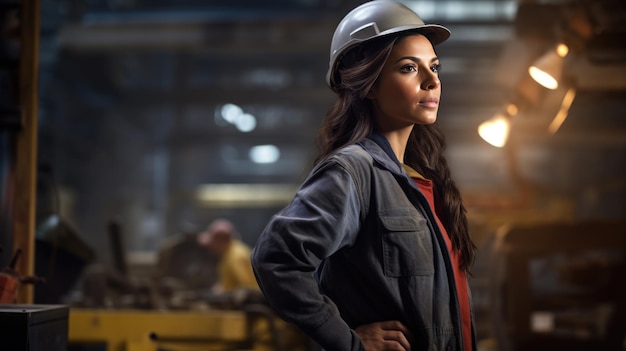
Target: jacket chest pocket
407,246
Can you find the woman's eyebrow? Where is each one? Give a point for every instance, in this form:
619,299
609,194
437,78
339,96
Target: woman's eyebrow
416,59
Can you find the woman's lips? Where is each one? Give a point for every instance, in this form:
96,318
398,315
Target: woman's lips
429,103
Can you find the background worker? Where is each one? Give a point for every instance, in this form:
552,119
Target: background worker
234,269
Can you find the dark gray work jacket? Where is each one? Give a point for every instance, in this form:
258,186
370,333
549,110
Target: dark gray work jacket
359,244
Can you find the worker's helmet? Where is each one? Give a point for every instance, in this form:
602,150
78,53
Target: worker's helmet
375,19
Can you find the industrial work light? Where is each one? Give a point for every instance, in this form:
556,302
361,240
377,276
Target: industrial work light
548,68
495,130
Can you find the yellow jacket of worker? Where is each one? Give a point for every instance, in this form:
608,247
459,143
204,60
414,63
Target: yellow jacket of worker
235,269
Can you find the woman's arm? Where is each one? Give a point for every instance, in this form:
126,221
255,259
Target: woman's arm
323,217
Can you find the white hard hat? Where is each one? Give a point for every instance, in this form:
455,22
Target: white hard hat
376,19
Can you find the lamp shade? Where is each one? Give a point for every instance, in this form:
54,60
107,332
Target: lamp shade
495,130
548,68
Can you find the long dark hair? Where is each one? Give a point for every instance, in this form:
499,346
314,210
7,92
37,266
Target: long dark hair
350,119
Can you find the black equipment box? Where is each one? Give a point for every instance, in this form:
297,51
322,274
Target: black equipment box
33,327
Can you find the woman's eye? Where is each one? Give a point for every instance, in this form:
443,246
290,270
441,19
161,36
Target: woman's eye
436,68
408,68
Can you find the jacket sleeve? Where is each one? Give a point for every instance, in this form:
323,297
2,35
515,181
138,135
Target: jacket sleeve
323,217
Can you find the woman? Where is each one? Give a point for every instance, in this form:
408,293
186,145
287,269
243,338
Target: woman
373,251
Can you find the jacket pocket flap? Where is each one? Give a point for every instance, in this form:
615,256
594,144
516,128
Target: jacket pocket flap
400,223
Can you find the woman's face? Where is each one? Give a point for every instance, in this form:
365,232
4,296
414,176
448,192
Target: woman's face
408,88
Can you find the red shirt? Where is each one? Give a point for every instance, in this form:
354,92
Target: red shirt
426,187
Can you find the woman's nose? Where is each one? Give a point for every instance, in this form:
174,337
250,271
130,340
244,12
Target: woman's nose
431,81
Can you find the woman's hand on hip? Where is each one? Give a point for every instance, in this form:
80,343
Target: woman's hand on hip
385,336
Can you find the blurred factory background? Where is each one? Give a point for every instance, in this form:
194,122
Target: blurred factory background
149,119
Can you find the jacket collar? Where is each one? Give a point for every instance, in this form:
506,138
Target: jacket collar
379,148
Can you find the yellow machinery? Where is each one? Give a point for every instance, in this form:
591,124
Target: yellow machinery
152,330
